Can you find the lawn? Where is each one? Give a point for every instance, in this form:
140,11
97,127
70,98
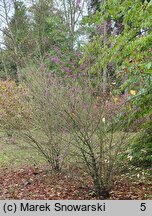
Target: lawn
14,155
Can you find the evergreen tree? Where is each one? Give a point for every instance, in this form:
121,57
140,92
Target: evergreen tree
48,26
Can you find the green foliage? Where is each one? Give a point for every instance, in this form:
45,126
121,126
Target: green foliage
19,26
7,66
30,34
141,149
127,48
16,41
48,27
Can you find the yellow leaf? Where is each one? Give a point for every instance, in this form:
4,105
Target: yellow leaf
132,92
130,107
115,99
103,120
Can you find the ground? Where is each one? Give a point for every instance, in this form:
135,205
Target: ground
39,183
25,175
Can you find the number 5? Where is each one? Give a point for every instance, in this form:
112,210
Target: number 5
143,207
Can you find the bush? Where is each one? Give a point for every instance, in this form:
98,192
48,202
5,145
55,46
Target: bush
140,152
96,131
73,121
141,149
47,126
14,106
68,118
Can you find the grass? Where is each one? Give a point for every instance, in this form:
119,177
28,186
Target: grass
20,153
16,155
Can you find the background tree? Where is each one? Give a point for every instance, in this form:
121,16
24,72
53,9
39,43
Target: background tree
73,12
128,46
15,35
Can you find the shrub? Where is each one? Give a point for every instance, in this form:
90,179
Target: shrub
141,149
68,118
47,127
96,130
14,106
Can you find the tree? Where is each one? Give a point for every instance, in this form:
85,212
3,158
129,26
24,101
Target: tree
94,5
104,30
16,34
73,12
128,47
48,28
